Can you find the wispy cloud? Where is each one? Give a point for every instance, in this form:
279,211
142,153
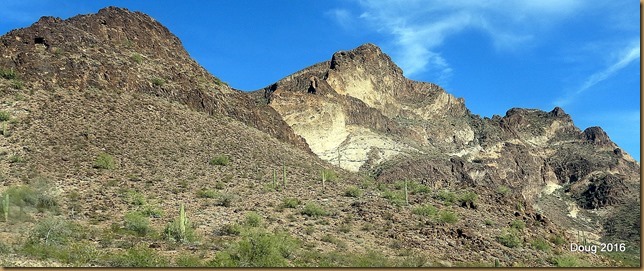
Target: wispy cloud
628,54
342,16
419,28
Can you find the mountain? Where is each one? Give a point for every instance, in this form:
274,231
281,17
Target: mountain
110,128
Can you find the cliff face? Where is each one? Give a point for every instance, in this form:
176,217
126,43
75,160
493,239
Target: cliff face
359,112
127,51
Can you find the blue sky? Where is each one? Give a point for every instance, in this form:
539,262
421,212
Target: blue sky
581,55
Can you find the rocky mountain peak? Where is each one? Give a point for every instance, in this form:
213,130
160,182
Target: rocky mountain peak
597,136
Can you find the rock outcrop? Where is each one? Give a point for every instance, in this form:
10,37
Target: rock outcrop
128,51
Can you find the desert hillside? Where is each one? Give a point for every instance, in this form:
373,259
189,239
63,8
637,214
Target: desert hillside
118,149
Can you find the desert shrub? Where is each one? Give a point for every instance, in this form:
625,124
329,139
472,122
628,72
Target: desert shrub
566,261
231,229
517,224
225,199
37,194
290,202
187,260
446,196
137,223
8,74
158,81
16,159
206,193
135,198
151,211
425,210
137,58
137,256
253,219
329,175
54,231
220,160
468,198
5,116
448,217
509,238
396,198
314,210
104,161
17,84
353,191
540,244
258,248
503,190
557,239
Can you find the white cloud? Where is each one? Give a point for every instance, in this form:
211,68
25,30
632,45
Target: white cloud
342,16
419,28
628,55
625,56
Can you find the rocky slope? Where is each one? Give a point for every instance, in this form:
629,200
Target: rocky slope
107,126
359,111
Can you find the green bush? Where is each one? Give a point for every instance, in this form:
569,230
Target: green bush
220,160
503,190
137,58
258,248
135,198
540,244
54,231
353,191
290,202
37,194
329,175
253,219
8,74
5,116
231,229
158,81
314,210
104,161
468,199
187,260
566,261
446,196
557,239
17,84
517,224
138,256
206,193
396,198
509,238
151,211
425,210
225,199
137,223
447,217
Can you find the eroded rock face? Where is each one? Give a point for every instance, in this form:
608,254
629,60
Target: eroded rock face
358,111
128,51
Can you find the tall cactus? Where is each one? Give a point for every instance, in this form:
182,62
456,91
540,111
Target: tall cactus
183,222
406,193
323,179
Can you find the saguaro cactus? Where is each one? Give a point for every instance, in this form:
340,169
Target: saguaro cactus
5,207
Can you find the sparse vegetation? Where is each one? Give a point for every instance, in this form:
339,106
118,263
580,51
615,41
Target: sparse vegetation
517,224
448,217
567,261
253,219
446,196
220,160
158,81
104,161
207,193
8,74
136,57
425,210
314,210
509,238
503,190
138,256
5,116
540,244
468,199
353,191
258,248
137,223
17,84
290,202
